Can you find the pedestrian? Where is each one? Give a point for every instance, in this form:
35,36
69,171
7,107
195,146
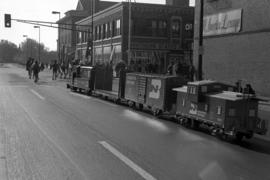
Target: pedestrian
238,86
170,69
55,68
249,90
36,69
63,70
29,67
42,66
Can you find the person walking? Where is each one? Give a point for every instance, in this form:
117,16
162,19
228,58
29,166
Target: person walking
55,68
29,67
36,69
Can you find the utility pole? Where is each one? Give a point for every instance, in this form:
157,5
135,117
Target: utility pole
92,34
58,41
129,31
200,50
38,42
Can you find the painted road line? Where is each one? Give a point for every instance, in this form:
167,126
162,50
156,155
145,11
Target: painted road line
127,161
80,95
37,94
48,136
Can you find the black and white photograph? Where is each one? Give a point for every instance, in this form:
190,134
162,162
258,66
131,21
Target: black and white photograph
135,90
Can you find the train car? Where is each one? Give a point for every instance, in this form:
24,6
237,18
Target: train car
107,85
83,78
153,91
214,106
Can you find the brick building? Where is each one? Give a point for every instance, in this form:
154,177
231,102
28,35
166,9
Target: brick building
159,34
68,37
236,42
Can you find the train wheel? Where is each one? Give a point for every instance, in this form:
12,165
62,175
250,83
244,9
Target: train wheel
239,137
223,137
139,106
249,136
116,101
156,112
89,92
73,88
131,104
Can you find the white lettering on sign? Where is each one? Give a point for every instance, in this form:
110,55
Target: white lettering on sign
188,27
155,89
222,23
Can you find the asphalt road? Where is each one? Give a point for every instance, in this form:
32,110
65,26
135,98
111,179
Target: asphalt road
47,132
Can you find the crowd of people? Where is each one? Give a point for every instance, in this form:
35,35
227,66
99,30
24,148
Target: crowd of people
65,71
34,67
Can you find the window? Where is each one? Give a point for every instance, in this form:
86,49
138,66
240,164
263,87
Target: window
232,112
192,90
206,107
102,32
252,113
219,110
204,89
108,30
118,27
183,102
176,28
96,33
154,28
162,28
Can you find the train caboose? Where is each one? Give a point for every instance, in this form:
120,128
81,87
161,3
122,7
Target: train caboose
215,106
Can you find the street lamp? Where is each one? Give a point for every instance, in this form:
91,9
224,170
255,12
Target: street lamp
38,42
59,13
26,43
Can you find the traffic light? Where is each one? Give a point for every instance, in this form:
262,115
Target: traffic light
7,20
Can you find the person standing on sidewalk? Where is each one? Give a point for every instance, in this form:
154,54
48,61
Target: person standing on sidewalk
55,68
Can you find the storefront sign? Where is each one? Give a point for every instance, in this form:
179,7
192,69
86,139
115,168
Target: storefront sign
222,23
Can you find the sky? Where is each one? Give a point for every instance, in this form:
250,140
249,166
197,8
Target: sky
39,10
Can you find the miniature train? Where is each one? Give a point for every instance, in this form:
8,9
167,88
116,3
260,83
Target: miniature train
201,104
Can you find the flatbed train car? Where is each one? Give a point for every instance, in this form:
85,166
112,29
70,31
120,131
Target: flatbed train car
202,104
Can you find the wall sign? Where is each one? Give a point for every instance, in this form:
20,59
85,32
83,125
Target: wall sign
222,23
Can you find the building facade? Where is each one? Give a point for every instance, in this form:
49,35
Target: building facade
160,34
67,35
236,42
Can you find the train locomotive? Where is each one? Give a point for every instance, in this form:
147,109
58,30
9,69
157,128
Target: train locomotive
207,104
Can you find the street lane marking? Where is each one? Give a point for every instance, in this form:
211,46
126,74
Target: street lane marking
127,161
80,95
37,94
47,135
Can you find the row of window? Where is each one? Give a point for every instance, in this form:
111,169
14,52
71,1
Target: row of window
103,31
156,28
140,27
